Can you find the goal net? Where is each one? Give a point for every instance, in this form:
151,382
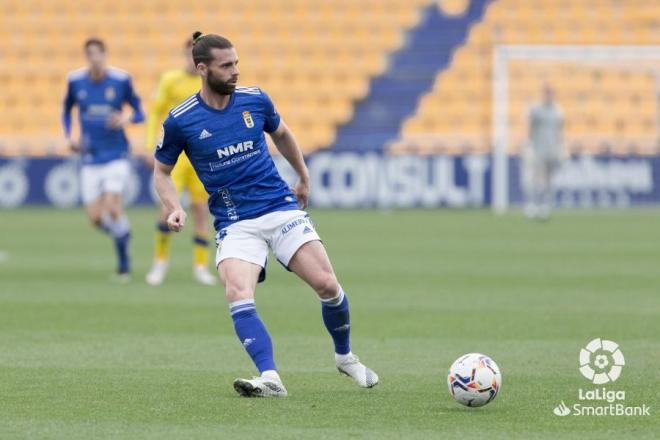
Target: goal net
609,96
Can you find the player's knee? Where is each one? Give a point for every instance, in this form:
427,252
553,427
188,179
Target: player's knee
113,205
236,291
94,218
326,285
115,212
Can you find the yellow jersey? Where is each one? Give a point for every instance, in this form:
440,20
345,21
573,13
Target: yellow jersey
174,87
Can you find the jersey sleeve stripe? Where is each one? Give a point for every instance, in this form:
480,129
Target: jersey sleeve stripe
77,74
184,103
249,90
185,109
117,73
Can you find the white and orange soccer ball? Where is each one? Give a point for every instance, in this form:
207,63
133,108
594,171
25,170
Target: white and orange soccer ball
474,380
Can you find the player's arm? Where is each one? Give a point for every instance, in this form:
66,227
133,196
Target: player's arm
286,144
166,190
120,119
69,102
167,153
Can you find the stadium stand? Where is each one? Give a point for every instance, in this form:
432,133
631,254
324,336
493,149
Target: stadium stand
314,62
397,75
608,107
394,94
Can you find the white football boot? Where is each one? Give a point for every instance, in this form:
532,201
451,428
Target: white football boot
202,275
262,386
351,366
156,275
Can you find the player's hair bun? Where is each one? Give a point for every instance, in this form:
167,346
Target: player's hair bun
196,35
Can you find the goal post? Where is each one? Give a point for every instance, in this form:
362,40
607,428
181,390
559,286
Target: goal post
504,55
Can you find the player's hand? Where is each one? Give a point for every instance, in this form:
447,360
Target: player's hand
301,191
117,120
176,220
74,145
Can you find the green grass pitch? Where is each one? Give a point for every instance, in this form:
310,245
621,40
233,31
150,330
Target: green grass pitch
83,358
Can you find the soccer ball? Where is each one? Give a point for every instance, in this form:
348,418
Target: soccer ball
474,380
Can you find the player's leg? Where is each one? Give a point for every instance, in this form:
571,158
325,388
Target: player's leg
241,259
96,182
91,180
298,247
311,263
163,235
158,271
240,281
545,191
120,230
553,167
116,175
538,185
200,214
94,211
528,182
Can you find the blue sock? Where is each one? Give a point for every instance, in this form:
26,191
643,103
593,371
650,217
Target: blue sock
337,320
162,227
121,245
253,334
121,233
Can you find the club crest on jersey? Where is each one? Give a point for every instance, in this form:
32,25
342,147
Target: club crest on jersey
247,118
109,94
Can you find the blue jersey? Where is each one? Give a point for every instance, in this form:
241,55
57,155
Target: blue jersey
96,101
228,150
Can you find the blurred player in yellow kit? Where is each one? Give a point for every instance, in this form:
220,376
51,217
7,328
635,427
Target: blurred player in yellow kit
174,87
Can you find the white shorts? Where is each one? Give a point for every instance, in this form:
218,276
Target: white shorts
248,240
96,180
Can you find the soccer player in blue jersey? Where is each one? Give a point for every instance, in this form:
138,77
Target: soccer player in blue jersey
221,129
100,92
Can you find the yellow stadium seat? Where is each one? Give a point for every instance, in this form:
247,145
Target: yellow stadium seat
600,102
288,47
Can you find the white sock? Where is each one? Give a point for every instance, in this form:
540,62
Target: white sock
106,223
271,374
341,358
336,300
121,227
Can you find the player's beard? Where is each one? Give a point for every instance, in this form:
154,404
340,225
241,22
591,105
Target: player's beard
219,86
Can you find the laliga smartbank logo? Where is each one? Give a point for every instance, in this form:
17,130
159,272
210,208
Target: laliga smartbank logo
601,361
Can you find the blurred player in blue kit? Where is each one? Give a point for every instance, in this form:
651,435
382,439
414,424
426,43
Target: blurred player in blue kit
221,130
100,93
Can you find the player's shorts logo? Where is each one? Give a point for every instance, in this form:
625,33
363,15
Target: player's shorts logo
247,118
601,361
219,237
